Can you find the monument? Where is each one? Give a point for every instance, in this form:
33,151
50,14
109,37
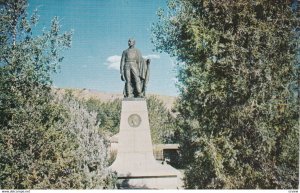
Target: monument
135,164
134,71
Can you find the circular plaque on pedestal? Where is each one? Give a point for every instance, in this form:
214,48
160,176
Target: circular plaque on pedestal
134,120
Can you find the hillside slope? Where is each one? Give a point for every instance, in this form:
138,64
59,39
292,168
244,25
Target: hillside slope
105,97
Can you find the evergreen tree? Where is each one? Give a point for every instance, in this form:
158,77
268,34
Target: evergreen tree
238,76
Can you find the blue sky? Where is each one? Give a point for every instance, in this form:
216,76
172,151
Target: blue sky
101,31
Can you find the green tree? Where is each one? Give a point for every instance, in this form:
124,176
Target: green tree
238,81
162,123
46,141
108,114
31,143
90,145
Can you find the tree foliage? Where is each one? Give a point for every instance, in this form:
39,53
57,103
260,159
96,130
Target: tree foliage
108,114
90,145
25,113
45,142
162,123
237,75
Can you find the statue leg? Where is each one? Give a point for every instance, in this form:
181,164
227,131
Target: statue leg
137,82
128,82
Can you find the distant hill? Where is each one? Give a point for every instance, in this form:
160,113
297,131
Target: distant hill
105,97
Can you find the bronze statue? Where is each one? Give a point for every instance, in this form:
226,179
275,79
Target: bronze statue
134,71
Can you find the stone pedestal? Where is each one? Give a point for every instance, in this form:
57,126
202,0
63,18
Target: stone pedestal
135,163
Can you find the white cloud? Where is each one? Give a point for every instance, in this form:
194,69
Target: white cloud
113,62
152,56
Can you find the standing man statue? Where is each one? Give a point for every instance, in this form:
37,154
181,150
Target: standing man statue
134,71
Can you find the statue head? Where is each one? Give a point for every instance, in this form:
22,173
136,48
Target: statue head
131,42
